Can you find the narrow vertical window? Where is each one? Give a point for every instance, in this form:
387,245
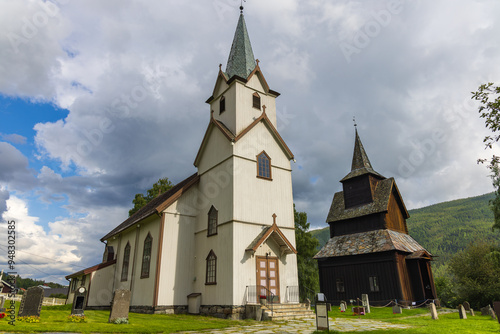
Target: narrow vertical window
222,105
374,287
83,280
212,221
126,259
211,277
340,285
73,283
146,256
264,165
256,101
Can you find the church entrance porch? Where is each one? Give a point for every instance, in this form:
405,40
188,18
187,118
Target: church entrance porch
268,285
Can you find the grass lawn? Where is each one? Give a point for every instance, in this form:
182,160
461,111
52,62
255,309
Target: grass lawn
421,321
55,319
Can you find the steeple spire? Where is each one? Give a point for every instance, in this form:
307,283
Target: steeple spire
360,163
359,158
241,60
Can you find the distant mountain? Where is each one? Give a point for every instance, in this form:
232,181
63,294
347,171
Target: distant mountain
446,228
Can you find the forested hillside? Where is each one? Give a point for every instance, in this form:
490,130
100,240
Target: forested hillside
446,228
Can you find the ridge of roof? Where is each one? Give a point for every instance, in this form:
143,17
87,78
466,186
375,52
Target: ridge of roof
91,269
241,60
265,234
152,207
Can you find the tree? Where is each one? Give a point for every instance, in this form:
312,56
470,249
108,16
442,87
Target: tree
139,201
475,271
489,97
306,248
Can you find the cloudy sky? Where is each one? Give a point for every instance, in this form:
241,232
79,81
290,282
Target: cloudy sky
99,99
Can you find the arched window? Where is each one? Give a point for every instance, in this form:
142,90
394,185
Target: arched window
222,105
211,277
126,259
212,221
263,166
256,101
146,256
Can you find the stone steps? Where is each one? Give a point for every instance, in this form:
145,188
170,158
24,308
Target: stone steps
286,312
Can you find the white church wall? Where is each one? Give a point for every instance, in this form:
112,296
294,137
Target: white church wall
246,113
177,254
218,148
228,117
143,288
267,100
101,287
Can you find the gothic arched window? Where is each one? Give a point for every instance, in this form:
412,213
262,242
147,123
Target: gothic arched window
212,221
126,259
264,166
146,256
211,277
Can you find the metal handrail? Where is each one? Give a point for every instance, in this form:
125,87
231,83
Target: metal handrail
269,296
307,294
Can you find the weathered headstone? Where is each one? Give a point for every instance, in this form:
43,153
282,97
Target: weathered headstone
466,305
492,314
120,305
366,302
434,314
485,310
396,309
358,310
31,304
471,311
461,312
496,306
79,301
2,301
343,306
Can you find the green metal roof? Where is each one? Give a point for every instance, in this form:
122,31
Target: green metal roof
241,61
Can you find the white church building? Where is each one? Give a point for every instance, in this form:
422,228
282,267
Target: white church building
224,237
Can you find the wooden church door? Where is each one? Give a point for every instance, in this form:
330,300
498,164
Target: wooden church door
268,277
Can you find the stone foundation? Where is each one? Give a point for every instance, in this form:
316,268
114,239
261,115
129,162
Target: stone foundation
233,312
172,309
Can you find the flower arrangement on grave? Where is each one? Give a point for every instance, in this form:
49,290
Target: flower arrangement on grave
30,320
2,315
119,321
77,318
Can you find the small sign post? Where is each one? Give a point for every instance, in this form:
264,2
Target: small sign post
322,313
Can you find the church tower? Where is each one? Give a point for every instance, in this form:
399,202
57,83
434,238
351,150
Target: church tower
370,250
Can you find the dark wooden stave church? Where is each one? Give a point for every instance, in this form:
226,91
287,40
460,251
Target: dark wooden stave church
369,250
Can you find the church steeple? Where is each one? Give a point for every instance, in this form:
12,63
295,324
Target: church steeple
241,60
360,163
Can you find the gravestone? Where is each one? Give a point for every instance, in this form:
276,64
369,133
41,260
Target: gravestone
343,306
396,309
496,306
79,301
2,301
472,314
120,305
466,306
434,314
485,310
492,314
461,312
366,302
358,310
31,304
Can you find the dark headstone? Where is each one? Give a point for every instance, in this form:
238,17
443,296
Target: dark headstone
466,306
79,301
461,312
434,314
485,310
358,310
397,309
120,305
496,306
31,304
